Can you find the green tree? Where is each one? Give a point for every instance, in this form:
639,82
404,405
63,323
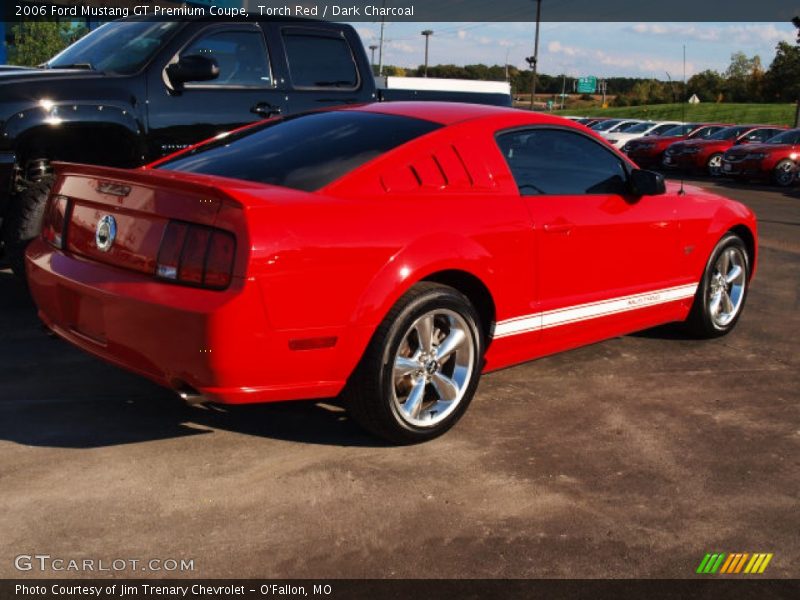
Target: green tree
739,84
707,85
782,80
35,42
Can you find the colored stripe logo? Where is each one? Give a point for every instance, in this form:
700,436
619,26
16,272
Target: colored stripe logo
734,563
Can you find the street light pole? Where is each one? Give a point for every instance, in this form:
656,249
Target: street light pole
533,61
380,50
427,33
372,48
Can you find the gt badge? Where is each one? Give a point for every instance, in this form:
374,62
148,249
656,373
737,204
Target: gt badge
106,233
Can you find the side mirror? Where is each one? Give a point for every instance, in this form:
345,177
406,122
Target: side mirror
647,183
193,67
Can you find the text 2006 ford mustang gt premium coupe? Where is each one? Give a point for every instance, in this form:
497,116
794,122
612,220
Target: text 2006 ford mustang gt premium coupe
390,253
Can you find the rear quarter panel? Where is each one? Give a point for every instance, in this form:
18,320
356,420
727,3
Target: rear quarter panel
335,262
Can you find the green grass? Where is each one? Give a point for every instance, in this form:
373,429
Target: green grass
772,114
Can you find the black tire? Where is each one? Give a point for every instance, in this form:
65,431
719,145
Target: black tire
370,393
701,323
714,171
785,173
24,222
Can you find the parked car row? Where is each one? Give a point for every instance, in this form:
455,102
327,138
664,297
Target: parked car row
764,152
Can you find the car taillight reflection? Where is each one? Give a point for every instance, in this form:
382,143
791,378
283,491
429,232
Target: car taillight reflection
54,221
196,255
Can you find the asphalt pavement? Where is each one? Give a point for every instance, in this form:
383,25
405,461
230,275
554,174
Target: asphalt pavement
629,458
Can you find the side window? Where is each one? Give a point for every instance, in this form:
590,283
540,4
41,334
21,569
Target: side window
553,161
320,61
759,135
242,57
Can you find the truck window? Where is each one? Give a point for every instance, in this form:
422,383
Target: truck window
241,55
319,60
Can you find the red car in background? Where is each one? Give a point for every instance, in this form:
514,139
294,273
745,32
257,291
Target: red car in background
777,159
390,253
706,155
649,151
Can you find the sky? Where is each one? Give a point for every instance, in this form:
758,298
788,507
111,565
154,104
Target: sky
599,49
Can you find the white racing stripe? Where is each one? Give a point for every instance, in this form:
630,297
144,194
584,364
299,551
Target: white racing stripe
592,310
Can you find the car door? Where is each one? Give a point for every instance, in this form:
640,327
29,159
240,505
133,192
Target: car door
245,90
595,241
322,67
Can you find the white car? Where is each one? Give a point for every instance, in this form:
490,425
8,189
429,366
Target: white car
623,135
612,125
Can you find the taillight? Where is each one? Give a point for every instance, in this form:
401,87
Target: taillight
55,220
196,255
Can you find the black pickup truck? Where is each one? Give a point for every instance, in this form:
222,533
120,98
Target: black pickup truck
132,91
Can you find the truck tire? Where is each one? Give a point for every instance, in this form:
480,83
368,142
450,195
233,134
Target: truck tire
24,222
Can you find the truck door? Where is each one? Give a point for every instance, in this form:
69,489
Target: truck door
245,90
322,67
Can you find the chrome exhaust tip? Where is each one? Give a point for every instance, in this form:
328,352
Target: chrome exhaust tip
190,395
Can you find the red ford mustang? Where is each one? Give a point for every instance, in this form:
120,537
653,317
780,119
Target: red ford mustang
390,252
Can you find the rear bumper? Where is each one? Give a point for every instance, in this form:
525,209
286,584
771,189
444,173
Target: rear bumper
219,344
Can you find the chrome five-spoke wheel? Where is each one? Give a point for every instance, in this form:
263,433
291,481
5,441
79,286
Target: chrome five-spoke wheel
727,285
722,291
432,367
421,369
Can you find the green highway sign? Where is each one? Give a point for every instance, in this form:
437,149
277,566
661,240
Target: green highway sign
587,85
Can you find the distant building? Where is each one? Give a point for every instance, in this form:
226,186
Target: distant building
694,99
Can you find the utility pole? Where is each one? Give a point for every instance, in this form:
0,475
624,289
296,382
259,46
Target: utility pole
427,33
671,87
372,48
533,60
563,89
796,23
380,51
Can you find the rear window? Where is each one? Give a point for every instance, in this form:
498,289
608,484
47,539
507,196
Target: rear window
304,152
320,61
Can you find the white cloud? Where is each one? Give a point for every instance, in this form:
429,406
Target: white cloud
556,47
747,34
573,57
367,35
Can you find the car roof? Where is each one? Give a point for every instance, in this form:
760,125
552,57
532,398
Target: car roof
444,113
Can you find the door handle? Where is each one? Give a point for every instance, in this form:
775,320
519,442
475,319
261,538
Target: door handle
562,227
265,109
